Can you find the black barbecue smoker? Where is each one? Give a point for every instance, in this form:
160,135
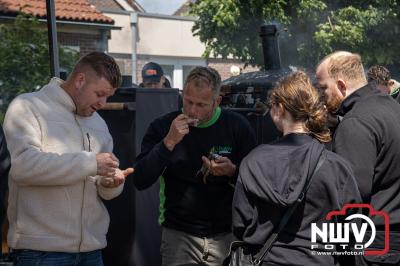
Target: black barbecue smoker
247,93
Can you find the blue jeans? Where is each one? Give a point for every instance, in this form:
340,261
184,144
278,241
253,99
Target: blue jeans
26,257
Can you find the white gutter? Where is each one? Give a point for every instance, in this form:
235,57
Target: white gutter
77,23
134,23
124,5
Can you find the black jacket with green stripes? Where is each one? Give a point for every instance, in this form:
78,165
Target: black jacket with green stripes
187,203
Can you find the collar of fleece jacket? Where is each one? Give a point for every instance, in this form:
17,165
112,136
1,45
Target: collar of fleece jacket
54,91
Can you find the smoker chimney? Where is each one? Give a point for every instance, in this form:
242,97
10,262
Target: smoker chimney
269,39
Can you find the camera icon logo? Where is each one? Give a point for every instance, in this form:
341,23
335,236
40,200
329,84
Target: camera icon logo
354,226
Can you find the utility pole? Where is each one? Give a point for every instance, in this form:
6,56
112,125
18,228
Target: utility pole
52,33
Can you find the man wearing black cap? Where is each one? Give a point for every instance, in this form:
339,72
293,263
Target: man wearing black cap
153,76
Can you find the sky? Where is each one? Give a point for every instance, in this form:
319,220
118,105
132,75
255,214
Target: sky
166,7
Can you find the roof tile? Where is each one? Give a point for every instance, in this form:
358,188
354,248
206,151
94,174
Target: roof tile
80,10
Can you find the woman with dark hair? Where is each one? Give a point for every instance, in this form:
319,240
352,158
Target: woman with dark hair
273,176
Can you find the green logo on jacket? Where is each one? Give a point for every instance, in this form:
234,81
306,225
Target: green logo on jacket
221,150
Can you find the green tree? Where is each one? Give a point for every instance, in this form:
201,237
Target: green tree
309,29
368,27
24,58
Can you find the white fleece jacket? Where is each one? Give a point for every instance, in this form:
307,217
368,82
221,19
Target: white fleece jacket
54,202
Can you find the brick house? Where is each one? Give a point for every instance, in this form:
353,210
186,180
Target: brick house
165,39
80,25
129,34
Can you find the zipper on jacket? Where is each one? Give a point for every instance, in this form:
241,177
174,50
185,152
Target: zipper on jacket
84,182
83,196
88,138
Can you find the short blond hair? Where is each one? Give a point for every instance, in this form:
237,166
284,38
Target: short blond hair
342,64
208,76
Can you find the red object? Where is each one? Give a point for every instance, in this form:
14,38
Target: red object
385,215
74,10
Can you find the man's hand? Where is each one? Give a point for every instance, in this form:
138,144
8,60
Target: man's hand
220,167
107,164
118,179
178,129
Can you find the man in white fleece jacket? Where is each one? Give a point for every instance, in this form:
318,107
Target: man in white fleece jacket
62,163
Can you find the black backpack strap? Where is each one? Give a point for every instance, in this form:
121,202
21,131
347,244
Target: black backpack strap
258,258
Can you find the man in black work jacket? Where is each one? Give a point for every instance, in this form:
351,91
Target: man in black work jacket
196,152
369,138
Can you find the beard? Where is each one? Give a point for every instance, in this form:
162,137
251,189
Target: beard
334,103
